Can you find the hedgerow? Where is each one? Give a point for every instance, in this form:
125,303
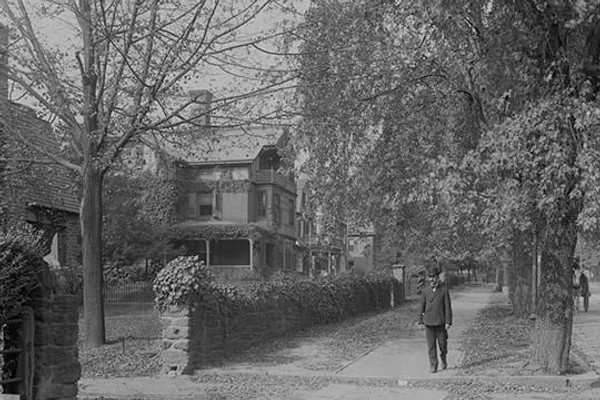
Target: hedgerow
186,281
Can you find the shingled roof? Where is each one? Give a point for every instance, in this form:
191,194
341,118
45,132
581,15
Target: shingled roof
43,185
227,145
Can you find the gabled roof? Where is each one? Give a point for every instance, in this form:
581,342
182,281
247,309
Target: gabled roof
232,145
43,185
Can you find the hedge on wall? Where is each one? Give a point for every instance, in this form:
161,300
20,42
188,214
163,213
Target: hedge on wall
186,281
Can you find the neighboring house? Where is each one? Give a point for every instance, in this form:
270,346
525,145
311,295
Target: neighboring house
235,209
40,193
323,251
361,246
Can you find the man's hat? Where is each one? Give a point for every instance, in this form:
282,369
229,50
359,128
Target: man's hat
433,271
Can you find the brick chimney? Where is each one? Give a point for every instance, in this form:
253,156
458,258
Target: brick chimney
200,109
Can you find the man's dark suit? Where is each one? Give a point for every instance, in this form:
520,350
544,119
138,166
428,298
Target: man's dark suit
435,311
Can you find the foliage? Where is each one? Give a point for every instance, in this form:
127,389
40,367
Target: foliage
137,209
210,232
185,281
21,267
387,118
179,281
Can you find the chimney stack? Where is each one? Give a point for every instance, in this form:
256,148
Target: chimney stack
200,109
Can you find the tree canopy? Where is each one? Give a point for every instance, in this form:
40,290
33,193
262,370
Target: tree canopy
461,128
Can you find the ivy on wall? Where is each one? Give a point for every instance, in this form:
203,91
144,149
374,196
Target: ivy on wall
222,186
233,231
186,281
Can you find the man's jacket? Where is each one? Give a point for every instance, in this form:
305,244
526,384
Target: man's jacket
435,307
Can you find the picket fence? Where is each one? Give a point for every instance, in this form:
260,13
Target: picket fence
140,292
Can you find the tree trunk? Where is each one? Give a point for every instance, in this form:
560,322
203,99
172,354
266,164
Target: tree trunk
554,323
91,246
519,284
498,286
555,307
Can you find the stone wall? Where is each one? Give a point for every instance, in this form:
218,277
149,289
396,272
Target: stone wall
193,338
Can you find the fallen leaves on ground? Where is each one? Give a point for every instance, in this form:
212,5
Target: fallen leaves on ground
132,349
497,342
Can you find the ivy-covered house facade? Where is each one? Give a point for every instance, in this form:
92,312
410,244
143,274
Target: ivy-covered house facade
235,208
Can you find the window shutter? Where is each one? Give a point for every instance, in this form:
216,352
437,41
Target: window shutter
192,206
217,205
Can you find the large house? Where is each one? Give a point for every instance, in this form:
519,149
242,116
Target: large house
32,189
236,209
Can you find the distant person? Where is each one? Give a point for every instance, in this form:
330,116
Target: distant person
581,286
435,316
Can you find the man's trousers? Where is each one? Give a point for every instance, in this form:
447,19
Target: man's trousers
436,334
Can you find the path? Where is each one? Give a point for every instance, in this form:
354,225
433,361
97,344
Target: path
406,359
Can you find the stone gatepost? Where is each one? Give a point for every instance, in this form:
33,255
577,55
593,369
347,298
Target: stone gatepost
176,340
57,368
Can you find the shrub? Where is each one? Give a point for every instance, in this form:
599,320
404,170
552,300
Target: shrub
179,280
21,267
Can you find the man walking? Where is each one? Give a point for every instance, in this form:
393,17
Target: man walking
435,315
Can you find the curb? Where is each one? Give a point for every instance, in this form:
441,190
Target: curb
582,381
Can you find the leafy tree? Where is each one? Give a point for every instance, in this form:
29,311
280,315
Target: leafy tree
121,72
137,212
459,119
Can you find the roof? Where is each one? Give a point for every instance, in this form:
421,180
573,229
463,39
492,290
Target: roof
239,145
44,185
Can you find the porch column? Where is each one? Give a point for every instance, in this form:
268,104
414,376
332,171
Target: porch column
207,253
251,244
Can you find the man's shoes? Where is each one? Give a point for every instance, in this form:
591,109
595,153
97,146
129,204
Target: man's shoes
433,369
444,365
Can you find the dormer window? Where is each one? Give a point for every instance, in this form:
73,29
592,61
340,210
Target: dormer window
269,160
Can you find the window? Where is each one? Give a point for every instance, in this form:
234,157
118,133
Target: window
291,213
230,252
261,203
205,204
276,209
